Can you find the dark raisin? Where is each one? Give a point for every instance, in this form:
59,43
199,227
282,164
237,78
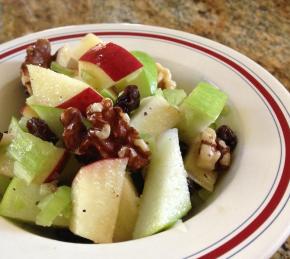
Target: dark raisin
138,181
228,136
192,186
183,148
129,100
40,129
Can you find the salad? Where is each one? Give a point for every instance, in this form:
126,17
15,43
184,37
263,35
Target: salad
108,147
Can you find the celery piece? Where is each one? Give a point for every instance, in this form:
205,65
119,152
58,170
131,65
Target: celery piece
52,206
62,70
200,109
109,93
174,96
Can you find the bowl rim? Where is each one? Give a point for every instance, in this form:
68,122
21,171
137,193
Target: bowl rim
237,61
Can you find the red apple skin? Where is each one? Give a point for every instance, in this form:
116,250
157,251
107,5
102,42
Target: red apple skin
114,60
82,100
54,175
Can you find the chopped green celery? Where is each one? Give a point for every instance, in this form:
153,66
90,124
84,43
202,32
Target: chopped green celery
109,93
53,205
200,109
62,70
174,96
51,116
35,159
23,122
159,92
146,80
4,182
69,171
6,162
20,200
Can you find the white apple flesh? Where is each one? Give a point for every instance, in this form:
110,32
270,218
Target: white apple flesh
96,192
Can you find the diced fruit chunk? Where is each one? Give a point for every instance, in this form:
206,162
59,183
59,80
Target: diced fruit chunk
128,212
35,160
87,42
154,116
166,196
201,108
108,64
57,90
96,192
53,205
146,80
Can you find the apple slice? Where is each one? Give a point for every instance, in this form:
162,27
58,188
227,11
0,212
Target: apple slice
4,182
128,212
108,64
35,160
166,197
28,112
146,80
96,192
154,116
87,42
57,90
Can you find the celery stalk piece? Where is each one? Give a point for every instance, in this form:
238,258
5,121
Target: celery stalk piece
62,70
53,205
51,116
20,200
6,162
109,93
35,159
200,109
174,96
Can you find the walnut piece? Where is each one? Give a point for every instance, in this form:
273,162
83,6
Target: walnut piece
109,136
164,77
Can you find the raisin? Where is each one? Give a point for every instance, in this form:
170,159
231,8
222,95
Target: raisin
183,148
138,181
40,129
1,136
129,100
228,136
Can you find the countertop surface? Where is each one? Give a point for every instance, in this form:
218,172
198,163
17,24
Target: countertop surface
258,29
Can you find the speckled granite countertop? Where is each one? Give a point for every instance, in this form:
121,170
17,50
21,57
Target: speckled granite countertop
258,29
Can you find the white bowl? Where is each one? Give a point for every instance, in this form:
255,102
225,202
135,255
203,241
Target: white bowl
248,216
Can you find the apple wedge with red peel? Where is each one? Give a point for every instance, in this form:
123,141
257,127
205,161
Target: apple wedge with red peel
96,193
108,64
57,90
28,112
82,100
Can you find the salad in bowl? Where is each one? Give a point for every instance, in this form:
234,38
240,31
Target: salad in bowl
108,147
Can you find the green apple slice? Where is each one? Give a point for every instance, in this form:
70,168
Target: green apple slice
154,116
4,182
35,159
128,212
51,116
146,80
166,196
53,205
200,109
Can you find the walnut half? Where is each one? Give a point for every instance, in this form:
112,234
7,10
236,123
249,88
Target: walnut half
109,136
